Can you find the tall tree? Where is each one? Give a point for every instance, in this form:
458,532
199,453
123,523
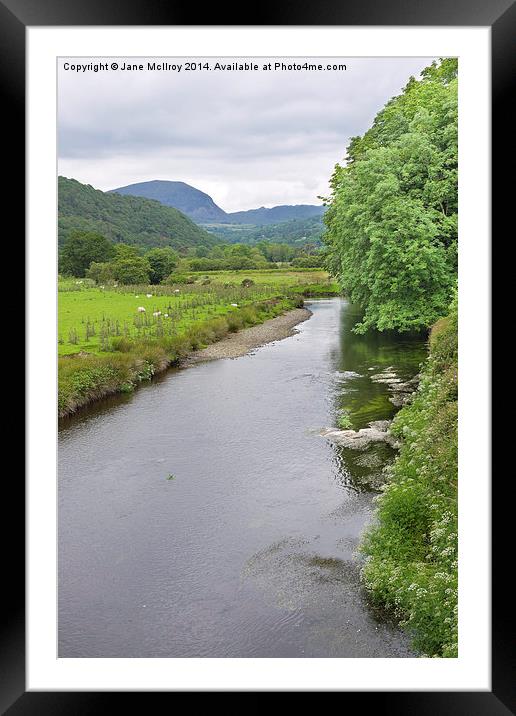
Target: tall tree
162,263
392,215
80,249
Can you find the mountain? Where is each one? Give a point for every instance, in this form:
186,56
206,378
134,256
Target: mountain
202,209
128,219
276,214
192,202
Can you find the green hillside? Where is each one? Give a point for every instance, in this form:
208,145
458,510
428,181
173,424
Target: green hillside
296,232
127,219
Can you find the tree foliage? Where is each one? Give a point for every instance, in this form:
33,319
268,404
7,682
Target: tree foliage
162,263
392,215
80,249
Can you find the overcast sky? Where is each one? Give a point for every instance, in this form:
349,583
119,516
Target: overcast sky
248,139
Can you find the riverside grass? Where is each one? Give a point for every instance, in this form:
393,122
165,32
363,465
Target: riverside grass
90,316
84,378
411,568
106,346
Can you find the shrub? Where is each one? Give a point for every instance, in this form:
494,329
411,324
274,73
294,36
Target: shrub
235,322
122,344
176,279
411,565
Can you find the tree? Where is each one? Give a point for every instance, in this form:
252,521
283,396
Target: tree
392,218
124,251
162,263
132,270
100,272
80,249
309,261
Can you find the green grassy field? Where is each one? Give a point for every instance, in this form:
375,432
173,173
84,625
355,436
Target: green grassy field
107,345
274,277
90,317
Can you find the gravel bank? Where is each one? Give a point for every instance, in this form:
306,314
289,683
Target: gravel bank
240,343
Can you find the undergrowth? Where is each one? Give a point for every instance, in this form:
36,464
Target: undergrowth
411,568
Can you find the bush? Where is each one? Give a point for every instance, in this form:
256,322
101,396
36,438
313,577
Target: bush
235,322
311,261
411,566
179,279
122,344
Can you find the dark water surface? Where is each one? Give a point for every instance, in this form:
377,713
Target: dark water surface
250,551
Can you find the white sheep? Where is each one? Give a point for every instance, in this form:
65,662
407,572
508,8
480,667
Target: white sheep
156,314
141,309
166,315
149,295
235,305
176,290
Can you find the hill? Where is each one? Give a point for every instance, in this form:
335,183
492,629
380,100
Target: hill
202,209
276,214
189,200
128,219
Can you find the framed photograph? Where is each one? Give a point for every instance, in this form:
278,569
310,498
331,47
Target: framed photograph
258,260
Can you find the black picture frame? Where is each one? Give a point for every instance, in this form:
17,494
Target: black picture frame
15,16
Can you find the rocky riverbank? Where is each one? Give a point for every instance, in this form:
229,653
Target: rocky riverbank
240,343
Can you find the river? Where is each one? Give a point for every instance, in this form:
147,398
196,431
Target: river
250,549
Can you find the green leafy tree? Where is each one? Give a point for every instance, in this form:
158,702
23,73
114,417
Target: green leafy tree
392,217
100,272
80,249
309,261
124,251
162,262
132,270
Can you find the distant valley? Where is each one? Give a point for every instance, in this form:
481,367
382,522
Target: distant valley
201,208
175,214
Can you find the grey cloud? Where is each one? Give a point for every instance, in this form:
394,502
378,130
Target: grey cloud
247,139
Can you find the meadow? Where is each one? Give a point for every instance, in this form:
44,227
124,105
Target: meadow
91,318
111,338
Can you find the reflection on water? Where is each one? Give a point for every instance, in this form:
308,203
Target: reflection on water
251,551
356,359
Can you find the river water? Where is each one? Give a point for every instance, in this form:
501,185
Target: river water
251,549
